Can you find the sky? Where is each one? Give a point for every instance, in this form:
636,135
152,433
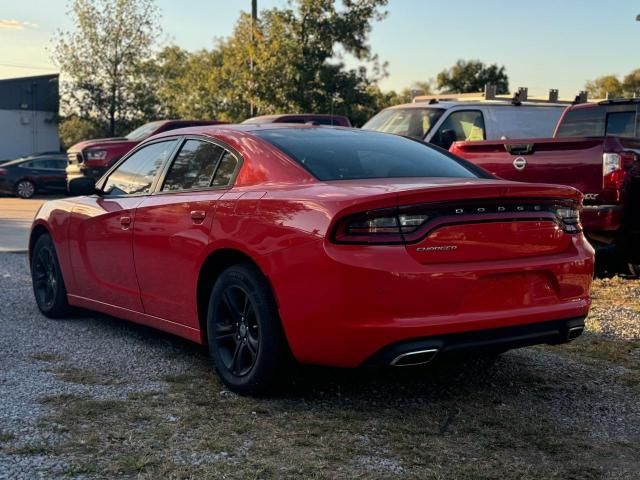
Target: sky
543,43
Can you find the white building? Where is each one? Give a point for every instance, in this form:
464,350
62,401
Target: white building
28,116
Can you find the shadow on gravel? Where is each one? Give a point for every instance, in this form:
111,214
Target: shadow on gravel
441,379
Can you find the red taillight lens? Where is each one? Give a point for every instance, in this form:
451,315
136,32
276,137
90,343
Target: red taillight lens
379,226
614,169
3,171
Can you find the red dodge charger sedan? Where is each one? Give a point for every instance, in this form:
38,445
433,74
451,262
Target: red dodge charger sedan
272,244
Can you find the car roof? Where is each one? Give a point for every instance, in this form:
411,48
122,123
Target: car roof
16,161
447,104
240,128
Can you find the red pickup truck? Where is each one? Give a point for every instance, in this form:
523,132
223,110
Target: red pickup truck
91,158
595,149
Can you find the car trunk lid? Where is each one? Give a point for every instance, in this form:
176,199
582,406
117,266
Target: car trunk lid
489,222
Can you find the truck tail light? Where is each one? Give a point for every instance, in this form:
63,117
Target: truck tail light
3,171
614,169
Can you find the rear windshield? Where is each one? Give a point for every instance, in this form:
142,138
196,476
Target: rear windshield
598,121
337,154
410,122
143,132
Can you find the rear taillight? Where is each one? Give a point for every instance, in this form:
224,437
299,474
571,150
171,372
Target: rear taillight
379,226
3,171
410,223
614,169
569,217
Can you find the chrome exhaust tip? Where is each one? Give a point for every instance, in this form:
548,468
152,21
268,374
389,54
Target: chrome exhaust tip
418,357
574,333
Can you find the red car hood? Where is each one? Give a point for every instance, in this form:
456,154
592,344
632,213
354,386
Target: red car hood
103,142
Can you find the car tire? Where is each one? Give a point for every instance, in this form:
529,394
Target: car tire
245,337
25,189
48,283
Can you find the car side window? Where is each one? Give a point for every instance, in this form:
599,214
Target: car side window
463,125
44,164
224,172
621,124
194,166
137,173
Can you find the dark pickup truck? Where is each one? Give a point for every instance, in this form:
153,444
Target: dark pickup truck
595,148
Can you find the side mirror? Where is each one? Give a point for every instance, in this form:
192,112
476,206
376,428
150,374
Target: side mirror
81,186
447,137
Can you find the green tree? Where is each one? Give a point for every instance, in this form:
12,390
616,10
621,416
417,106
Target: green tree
631,84
468,76
296,57
608,84
101,59
74,129
185,84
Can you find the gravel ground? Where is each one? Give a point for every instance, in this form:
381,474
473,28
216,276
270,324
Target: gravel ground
36,353
588,388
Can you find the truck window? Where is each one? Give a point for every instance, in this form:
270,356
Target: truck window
621,124
524,121
410,122
582,122
463,125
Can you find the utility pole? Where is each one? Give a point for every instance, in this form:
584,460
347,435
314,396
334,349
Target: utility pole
254,21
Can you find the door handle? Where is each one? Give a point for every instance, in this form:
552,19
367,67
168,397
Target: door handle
125,221
198,216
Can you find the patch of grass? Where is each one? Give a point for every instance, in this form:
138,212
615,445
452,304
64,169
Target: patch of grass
6,437
334,425
596,348
48,357
129,464
30,449
85,377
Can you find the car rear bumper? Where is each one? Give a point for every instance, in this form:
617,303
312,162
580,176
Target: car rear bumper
340,306
601,218
423,350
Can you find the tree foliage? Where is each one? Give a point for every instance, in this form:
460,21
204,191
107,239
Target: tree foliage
74,129
612,85
469,76
101,59
599,87
290,60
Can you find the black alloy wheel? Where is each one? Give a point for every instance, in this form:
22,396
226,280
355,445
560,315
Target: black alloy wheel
237,330
244,333
47,280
